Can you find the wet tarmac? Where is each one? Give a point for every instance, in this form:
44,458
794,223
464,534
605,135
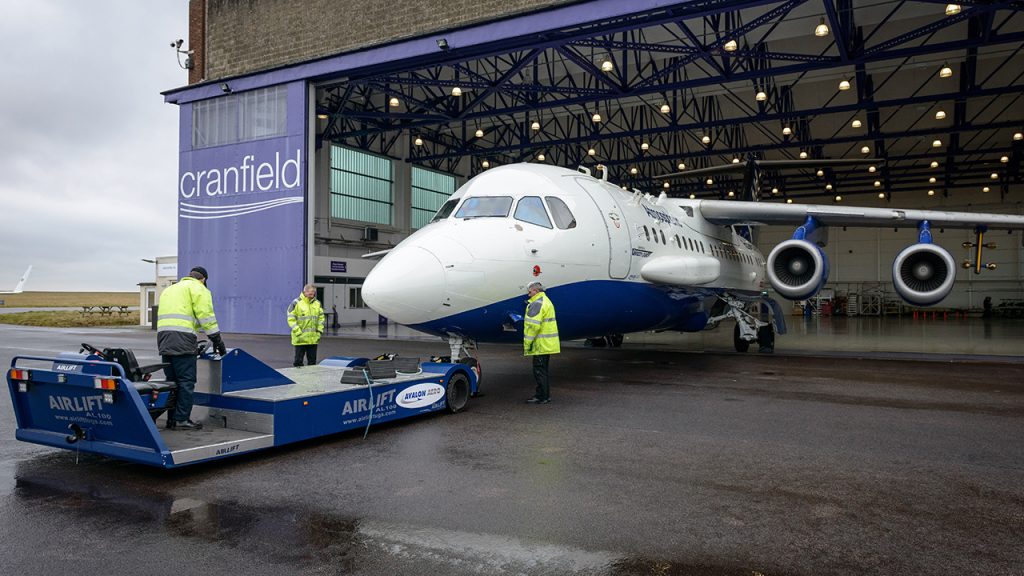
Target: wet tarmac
648,461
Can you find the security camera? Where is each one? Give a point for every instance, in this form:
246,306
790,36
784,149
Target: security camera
177,43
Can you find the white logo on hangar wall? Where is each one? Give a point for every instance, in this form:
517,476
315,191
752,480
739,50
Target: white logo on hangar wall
420,395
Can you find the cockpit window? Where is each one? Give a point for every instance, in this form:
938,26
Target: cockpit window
560,212
485,207
446,210
531,209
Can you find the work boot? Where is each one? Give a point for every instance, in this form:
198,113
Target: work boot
536,400
188,425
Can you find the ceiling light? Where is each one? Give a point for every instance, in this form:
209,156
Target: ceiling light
665,185
760,96
1004,159
940,115
540,156
645,146
945,71
692,196
828,186
821,29
706,139
456,91
775,190
591,152
986,189
633,170
393,102
937,144
322,116
1018,136
931,180
596,117
418,141
844,85
803,154
872,169
878,183
607,66
709,181
931,192
731,194
839,198
865,150
681,166
479,133
786,130
730,46
820,172
535,125
665,109
485,164
881,194
952,9
735,160
934,164
789,200
994,176
856,123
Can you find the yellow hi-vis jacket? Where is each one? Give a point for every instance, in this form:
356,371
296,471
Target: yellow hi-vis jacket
306,319
540,331
184,309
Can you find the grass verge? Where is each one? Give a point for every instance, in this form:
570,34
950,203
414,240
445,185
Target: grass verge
69,319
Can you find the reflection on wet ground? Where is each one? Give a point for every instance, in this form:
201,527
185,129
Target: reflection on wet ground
298,540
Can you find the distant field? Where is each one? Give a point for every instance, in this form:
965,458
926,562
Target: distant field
69,319
48,299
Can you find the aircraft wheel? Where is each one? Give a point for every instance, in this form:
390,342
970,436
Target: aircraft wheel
766,339
475,367
456,393
615,340
740,344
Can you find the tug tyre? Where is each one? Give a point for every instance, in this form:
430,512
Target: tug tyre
740,344
456,393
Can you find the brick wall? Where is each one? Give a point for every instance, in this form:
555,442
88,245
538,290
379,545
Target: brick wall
244,36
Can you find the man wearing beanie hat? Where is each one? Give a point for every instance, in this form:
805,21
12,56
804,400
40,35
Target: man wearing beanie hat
184,309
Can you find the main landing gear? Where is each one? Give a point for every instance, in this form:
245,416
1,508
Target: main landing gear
748,328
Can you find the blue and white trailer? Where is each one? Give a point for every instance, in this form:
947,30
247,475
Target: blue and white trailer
89,403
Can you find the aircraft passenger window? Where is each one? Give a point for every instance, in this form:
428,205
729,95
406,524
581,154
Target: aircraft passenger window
647,233
702,246
677,241
485,207
662,232
445,210
560,212
531,209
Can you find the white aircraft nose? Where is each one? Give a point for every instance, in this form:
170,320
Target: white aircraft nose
407,286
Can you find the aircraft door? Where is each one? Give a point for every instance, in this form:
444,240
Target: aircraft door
619,246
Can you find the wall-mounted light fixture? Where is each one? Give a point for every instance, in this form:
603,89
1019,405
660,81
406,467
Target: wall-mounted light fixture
225,88
442,43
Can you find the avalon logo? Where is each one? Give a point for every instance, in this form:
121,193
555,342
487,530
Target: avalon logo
248,176
420,395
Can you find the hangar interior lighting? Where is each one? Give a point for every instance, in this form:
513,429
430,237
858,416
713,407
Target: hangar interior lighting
692,196
865,150
940,115
1004,159
820,172
789,200
393,102
937,144
878,183
731,194
322,116
591,152
633,171
485,164
705,139
872,169
535,125
709,181
786,130
456,91
856,123
607,66
665,185
828,186
540,156
803,154
775,190
735,160
730,46
760,96
931,180
952,9
934,164
839,198
1018,136
931,192
821,29
681,166
645,146
596,117
881,194
479,133
665,109
945,71
986,189
994,176
418,141
844,85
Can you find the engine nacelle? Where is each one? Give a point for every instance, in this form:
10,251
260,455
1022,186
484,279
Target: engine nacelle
797,269
923,274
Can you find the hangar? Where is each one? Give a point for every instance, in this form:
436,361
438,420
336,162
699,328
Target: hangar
311,136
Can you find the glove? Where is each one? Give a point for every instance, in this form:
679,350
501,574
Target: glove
218,344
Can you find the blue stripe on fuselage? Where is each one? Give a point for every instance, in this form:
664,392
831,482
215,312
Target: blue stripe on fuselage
586,309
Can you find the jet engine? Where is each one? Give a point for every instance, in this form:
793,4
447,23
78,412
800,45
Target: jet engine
923,274
797,269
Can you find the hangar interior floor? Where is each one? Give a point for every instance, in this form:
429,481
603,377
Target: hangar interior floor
997,337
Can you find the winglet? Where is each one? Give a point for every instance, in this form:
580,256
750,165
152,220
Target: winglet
21,283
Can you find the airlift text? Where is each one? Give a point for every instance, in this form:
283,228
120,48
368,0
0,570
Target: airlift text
363,404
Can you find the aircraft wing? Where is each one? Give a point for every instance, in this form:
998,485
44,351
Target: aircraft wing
376,255
724,212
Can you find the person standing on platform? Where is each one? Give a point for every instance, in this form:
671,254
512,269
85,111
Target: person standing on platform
540,339
306,319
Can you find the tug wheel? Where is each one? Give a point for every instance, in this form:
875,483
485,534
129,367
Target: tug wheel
473,365
456,393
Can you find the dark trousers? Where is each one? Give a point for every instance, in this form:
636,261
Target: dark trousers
540,374
307,350
182,370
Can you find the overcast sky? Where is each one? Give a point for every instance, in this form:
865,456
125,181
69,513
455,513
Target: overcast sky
88,148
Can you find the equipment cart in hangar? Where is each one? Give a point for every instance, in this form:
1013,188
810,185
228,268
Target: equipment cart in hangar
102,402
